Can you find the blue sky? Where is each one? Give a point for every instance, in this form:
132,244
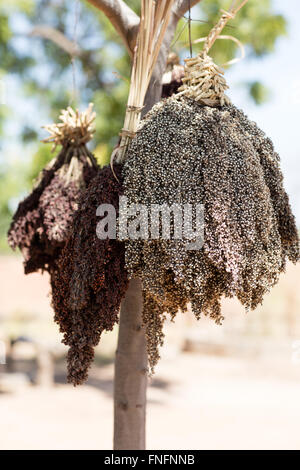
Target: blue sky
279,118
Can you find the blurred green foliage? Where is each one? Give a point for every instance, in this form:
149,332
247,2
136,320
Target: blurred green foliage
45,77
259,92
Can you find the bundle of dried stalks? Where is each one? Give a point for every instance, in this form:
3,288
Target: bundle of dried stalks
42,221
154,21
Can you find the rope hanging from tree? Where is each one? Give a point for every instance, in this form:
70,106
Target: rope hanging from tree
204,80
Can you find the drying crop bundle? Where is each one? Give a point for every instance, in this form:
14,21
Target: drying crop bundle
198,149
41,223
90,279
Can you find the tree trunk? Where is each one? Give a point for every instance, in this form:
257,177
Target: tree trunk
130,384
130,373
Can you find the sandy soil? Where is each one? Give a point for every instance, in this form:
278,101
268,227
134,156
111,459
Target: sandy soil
194,403
246,397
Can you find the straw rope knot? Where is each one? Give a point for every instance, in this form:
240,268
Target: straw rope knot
127,133
134,109
204,81
75,128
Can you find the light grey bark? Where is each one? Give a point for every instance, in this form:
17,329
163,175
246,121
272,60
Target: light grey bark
122,17
130,385
126,21
47,32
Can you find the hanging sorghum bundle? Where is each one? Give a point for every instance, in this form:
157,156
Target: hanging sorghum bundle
41,223
196,148
90,279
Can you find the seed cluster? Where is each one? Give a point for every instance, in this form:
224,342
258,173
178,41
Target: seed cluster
188,153
90,279
41,223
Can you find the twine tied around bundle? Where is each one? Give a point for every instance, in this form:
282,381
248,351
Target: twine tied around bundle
135,110
75,128
204,80
154,21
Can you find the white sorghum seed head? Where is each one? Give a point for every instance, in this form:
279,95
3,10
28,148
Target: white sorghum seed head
188,153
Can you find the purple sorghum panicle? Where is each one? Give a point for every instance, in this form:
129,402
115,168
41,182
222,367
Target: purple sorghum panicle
41,223
90,279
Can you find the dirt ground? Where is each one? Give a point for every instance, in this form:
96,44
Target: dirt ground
194,403
245,396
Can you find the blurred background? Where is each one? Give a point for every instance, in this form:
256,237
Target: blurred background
230,387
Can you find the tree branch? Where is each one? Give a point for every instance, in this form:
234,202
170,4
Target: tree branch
122,17
183,6
126,21
52,34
